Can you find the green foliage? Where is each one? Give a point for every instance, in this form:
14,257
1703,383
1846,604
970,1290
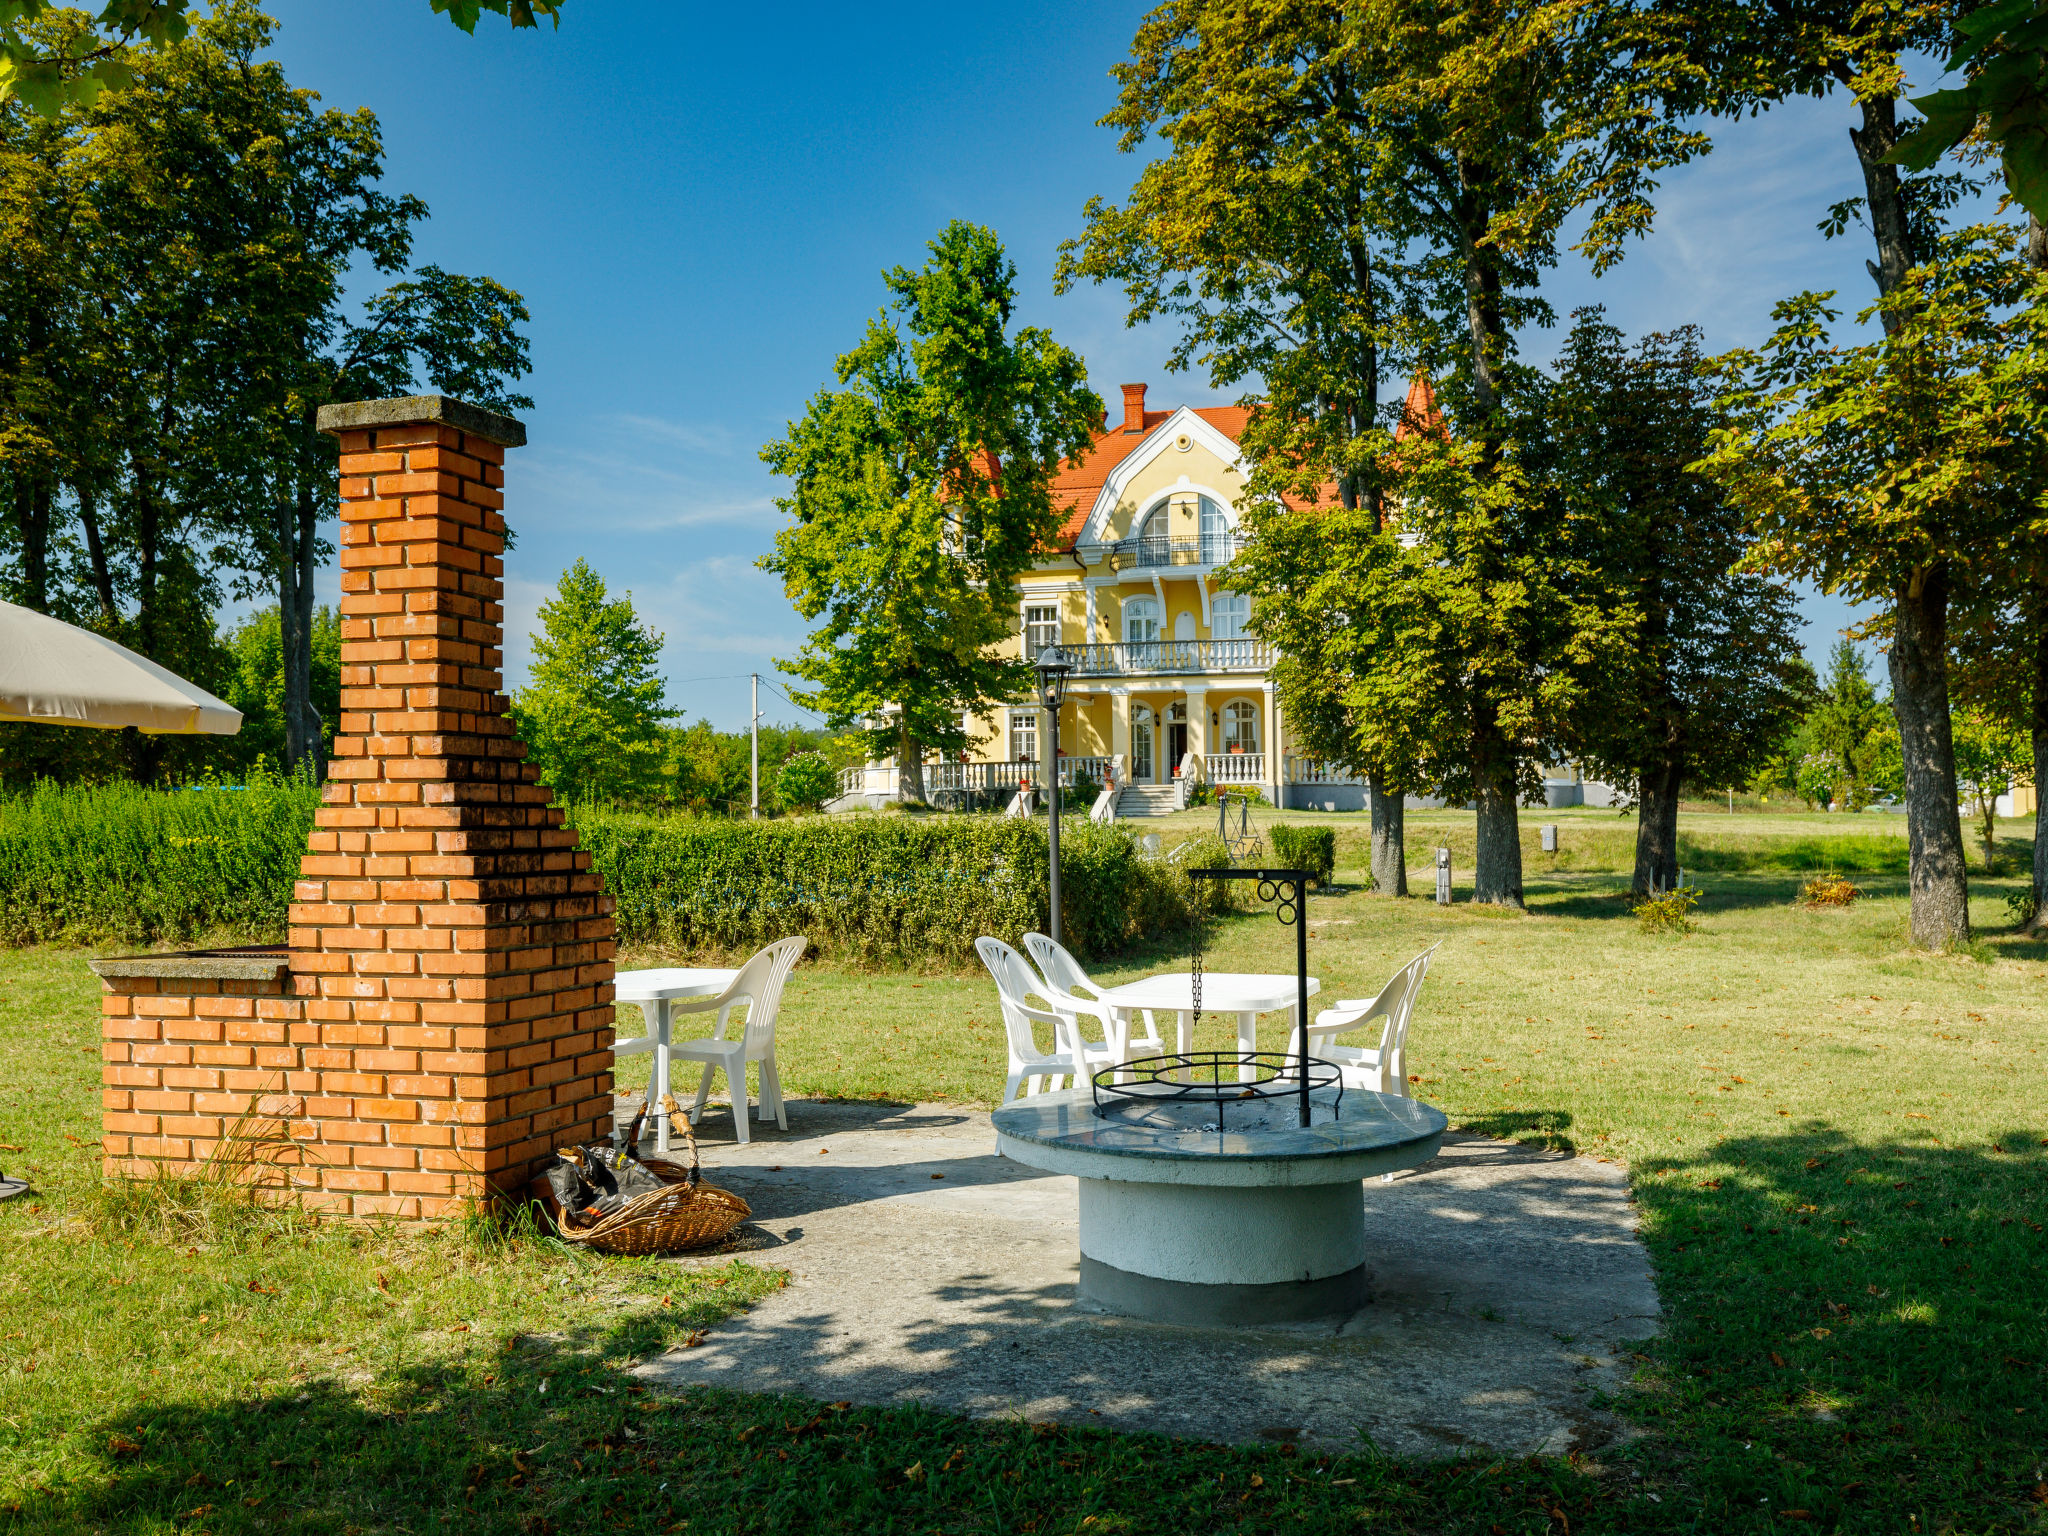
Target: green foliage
257,688
1668,911
1858,465
1714,674
806,781
710,772
121,864
1311,848
49,70
1992,757
875,889
592,712
922,489
2004,46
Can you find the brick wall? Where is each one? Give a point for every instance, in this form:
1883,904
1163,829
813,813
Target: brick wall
447,1015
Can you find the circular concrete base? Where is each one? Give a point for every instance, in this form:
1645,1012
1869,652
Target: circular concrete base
1186,1220
1181,1301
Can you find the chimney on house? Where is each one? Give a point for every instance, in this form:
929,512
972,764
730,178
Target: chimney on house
1134,407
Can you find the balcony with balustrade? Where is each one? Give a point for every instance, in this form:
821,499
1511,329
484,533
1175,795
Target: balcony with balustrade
1170,658
1149,552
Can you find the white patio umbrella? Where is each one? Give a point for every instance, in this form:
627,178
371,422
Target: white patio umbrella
53,673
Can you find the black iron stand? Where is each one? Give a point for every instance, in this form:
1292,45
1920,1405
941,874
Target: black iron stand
1291,907
1052,831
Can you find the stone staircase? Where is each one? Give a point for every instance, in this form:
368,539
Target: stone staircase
1147,800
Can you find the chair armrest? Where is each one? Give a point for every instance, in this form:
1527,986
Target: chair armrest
633,1045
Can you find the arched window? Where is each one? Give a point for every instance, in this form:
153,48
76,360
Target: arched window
1141,619
1155,535
1228,612
1241,726
1217,545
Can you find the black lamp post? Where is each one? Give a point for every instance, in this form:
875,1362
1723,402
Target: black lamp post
1052,667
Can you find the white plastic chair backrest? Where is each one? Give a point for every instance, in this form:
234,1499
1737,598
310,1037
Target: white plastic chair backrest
1014,985
1394,1045
1059,966
759,986
1386,1006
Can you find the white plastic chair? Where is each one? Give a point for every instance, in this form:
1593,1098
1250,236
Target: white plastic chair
1064,973
1016,984
1381,1068
757,988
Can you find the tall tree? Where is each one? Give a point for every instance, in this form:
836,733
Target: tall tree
1458,139
179,317
1901,470
1715,676
1748,57
592,714
922,490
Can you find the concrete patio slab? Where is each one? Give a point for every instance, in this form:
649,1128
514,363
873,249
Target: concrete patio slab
926,1269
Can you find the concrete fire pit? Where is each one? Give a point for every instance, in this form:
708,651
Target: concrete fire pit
1259,1221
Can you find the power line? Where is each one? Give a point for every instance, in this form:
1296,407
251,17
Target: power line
792,703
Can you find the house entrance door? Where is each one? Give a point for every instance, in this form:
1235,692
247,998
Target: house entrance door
1176,744
1141,745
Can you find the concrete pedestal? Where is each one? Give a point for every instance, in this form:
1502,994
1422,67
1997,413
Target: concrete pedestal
1260,1222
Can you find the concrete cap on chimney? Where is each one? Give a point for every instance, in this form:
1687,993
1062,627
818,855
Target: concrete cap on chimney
407,410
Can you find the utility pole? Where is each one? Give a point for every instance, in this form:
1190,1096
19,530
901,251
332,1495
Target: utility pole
755,811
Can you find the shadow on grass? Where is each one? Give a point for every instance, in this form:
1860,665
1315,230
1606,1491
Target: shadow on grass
545,1438
1854,1328
1543,1128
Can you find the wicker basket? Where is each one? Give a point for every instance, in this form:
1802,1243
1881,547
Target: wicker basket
687,1214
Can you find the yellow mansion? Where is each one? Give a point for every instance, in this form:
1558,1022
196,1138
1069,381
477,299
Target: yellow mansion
1168,688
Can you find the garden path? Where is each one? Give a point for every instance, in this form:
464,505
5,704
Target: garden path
1508,1283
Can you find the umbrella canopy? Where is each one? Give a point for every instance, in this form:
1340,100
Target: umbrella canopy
52,673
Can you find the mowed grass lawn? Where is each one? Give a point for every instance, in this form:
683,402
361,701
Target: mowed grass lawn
1837,1147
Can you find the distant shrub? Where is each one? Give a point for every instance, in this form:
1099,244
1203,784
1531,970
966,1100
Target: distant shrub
806,781
1668,911
120,864
1827,889
881,888
2020,906
1311,848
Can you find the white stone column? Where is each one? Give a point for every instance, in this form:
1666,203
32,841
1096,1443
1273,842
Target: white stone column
1275,776
1120,725
1198,722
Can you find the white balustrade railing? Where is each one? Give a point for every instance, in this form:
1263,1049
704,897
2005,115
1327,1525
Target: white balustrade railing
1235,767
1306,770
1139,658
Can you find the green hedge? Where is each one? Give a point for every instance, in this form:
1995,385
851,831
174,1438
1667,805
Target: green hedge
118,864
883,888
1311,848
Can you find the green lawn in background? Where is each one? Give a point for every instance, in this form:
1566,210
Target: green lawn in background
1837,1147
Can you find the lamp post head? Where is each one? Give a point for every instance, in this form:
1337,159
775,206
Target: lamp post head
1052,668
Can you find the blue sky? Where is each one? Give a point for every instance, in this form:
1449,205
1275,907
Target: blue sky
697,202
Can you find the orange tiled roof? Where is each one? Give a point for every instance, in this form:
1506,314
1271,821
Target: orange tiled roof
1419,415
1079,482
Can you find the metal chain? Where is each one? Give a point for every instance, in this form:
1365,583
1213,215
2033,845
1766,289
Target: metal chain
1195,957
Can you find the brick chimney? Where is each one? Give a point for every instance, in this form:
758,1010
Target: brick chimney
442,1020
1134,407
459,945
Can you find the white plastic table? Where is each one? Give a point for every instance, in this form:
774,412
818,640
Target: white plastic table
1244,993
656,989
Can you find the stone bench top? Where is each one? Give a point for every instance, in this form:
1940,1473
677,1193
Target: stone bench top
1260,1142
248,962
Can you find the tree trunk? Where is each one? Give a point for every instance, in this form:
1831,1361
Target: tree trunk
909,765
1389,837
96,554
32,498
2040,733
1497,872
2037,253
1937,869
304,743
145,753
1657,826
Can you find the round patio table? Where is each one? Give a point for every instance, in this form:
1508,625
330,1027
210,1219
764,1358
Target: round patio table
1244,993
654,990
